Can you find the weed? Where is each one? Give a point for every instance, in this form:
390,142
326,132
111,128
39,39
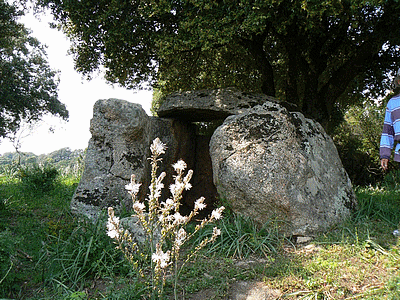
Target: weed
162,224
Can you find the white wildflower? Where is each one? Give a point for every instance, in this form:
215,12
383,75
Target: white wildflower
172,189
216,231
157,147
160,258
188,186
158,188
156,194
179,166
176,188
167,205
112,230
166,218
133,187
180,237
138,206
113,234
199,204
217,213
112,224
179,219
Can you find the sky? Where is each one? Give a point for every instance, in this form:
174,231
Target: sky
78,94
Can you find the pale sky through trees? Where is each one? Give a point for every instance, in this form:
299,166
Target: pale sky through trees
76,93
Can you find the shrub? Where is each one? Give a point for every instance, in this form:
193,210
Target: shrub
9,171
38,178
357,141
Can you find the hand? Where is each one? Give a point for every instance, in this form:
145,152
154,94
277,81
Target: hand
384,163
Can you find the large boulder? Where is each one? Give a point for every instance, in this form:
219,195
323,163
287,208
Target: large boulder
121,136
272,164
209,105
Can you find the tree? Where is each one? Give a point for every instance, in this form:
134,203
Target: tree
320,55
28,86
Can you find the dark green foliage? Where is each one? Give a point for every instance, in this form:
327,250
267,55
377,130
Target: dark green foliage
357,140
38,178
321,56
357,163
28,86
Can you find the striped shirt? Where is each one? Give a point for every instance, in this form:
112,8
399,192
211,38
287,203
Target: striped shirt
391,130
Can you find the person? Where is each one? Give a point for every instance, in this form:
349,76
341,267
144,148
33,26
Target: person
391,127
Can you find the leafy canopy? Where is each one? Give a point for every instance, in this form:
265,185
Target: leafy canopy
320,55
28,87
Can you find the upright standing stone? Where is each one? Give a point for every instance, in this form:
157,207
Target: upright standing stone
121,136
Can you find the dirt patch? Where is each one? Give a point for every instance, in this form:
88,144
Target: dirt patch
244,290
240,290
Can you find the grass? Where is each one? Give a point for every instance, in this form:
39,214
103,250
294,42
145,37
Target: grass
48,253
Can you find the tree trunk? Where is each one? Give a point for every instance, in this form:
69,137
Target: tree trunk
256,47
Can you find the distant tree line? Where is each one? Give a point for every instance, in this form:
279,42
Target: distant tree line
62,157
